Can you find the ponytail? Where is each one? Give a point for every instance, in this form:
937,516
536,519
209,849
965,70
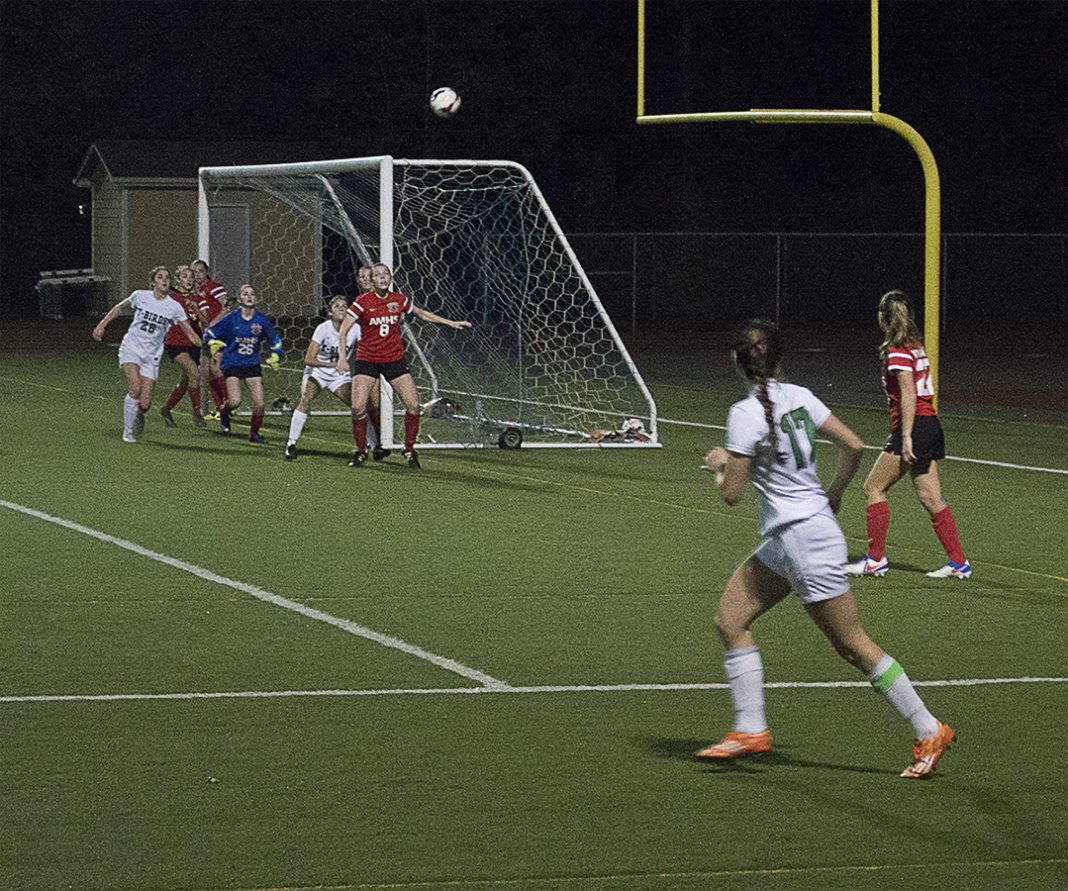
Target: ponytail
758,352
896,322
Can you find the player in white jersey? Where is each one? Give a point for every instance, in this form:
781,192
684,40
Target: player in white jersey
320,372
771,440
142,347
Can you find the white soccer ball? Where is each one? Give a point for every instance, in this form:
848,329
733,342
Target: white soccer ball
444,102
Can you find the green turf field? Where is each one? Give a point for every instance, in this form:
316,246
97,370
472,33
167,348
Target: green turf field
491,673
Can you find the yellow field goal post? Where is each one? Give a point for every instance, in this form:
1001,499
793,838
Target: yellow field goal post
932,200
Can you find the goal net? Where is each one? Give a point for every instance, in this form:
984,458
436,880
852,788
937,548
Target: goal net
475,240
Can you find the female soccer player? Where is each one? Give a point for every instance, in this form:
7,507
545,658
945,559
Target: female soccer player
321,374
771,438
141,349
380,353
214,300
915,446
180,349
240,335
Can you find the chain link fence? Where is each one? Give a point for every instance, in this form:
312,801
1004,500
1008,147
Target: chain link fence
702,281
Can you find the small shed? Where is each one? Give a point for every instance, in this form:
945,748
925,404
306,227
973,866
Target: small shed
144,201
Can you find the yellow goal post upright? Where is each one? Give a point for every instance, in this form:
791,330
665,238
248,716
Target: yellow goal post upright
932,198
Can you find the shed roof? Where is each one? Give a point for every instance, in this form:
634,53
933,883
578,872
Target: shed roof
149,161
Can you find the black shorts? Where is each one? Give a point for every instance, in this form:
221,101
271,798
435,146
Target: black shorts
389,370
173,352
928,441
243,371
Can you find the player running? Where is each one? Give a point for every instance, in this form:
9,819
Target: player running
240,336
380,353
771,438
915,446
141,349
321,374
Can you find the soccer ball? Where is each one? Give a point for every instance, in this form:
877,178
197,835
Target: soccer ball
444,102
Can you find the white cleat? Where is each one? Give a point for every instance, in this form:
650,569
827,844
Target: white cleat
127,436
867,566
952,571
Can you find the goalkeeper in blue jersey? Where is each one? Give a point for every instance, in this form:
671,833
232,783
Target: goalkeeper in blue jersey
241,336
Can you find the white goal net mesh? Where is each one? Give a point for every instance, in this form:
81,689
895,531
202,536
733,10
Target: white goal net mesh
468,240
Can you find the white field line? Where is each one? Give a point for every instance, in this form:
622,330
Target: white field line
267,597
874,448
503,688
707,877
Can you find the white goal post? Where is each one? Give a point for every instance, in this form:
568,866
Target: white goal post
543,364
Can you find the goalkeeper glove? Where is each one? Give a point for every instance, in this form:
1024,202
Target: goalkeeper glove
216,345
273,360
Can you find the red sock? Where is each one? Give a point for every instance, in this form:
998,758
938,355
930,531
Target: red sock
218,392
878,524
257,421
176,396
359,433
945,528
194,397
411,430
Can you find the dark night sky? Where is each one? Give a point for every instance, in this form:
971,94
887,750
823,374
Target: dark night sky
551,84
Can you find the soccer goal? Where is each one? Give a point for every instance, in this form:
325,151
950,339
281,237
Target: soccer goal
543,364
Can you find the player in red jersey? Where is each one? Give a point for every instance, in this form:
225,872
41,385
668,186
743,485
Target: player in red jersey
380,353
180,349
365,283
915,446
213,296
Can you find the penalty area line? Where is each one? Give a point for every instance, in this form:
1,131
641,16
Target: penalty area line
504,689
345,625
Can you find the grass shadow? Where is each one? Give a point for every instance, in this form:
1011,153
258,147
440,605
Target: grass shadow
780,756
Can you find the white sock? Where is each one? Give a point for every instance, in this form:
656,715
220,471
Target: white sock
889,678
296,425
130,408
745,674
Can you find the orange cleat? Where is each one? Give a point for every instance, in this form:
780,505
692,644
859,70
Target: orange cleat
926,752
736,745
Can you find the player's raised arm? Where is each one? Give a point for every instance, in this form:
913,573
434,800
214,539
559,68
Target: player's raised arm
427,316
98,331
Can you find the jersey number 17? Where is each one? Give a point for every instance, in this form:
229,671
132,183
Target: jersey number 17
798,425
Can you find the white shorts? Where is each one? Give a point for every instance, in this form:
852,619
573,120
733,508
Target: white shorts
149,364
810,554
327,378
